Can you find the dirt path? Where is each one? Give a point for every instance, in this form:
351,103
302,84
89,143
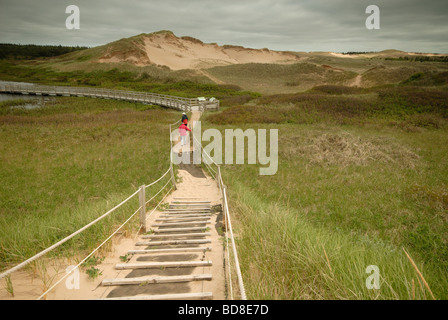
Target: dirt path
208,75
356,82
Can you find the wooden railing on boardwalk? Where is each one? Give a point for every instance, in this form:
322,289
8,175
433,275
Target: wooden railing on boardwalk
178,103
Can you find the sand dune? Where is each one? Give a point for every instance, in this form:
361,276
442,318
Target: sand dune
164,48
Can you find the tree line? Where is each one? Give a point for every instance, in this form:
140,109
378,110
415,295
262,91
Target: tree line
30,51
421,59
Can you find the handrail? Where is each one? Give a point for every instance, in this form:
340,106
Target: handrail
38,255
88,256
235,252
222,188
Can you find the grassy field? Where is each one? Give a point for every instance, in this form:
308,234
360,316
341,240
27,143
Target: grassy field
67,163
362,175
278,78
322,69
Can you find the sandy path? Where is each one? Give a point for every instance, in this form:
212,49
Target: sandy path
357,81
213,78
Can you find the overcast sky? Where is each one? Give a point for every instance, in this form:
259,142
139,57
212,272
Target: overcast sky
296,25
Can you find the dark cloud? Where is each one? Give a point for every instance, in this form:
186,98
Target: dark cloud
307,25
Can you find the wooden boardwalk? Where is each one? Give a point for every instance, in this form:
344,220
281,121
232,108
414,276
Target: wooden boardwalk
174,260
178,103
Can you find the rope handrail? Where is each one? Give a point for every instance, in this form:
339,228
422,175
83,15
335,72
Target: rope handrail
235,253
54,246
222,187
158,192
88,256
149,185
159,202
205,151
118,229
43,252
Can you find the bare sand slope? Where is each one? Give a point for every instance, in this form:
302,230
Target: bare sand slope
178,53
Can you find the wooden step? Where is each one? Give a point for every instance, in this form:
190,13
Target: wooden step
181,215
170,242
195,208
156,279
170,250
185,212
172,296
183,219
208,213
177,235
188,209
180,229
175,214
187,198
171,224
189,201
166,264
190,206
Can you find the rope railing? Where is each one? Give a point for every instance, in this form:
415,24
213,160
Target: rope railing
149,185
105,241
54,246
235,252
88,256
222,187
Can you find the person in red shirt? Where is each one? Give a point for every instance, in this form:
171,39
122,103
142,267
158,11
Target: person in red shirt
183,133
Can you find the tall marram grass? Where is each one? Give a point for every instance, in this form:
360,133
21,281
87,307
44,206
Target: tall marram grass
284,256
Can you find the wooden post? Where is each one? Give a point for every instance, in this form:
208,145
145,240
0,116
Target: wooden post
218,177
224,206
142,199
172,176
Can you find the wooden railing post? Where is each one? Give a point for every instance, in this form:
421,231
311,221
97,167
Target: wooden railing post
173,179
218,176
224,207
142,199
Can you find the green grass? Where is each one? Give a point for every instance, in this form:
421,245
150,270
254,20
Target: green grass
65,164
147,79
273,78
285,256
359,178
406,106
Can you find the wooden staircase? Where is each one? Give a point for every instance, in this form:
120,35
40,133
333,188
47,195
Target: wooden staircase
172,260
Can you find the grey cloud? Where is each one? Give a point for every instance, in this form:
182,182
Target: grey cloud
306,25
